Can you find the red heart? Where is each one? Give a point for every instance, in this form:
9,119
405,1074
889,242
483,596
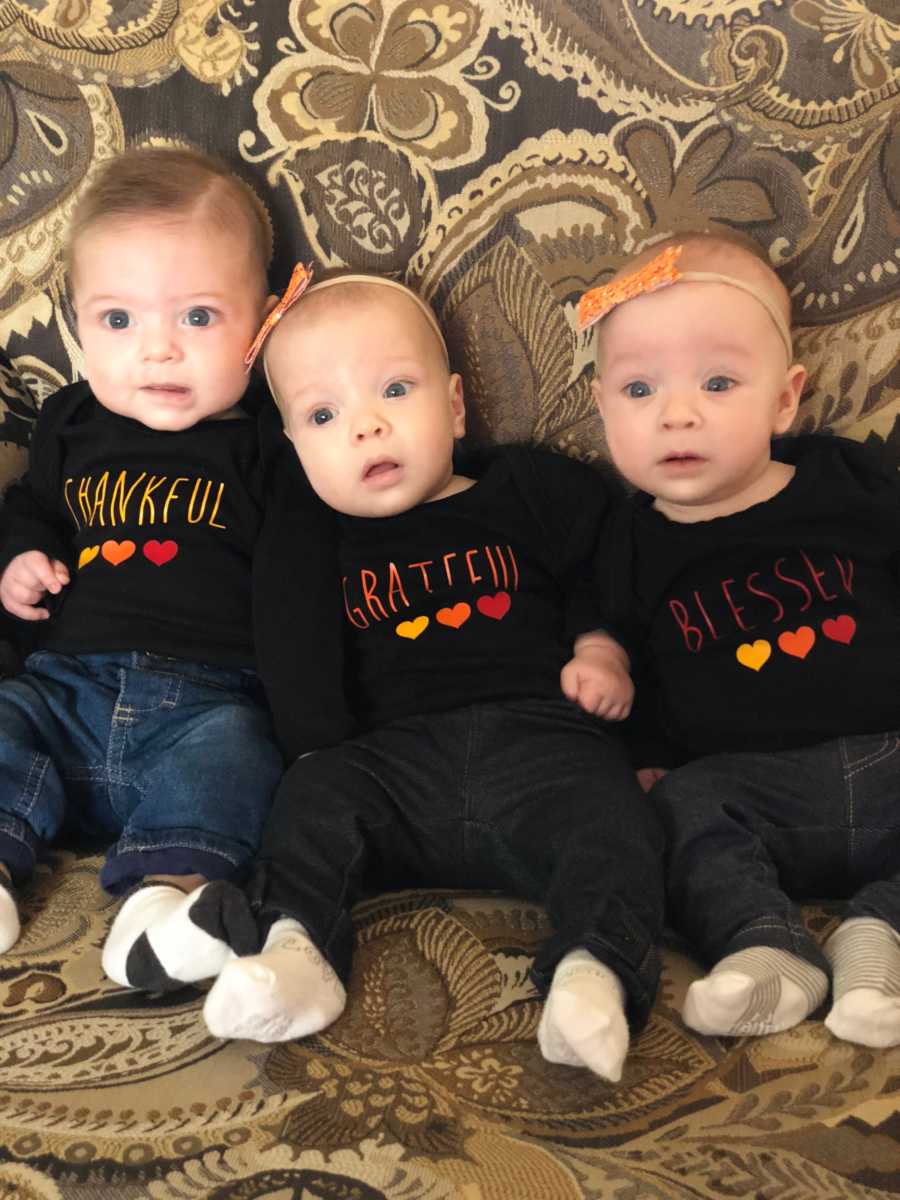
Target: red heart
840,629
495,607
160,552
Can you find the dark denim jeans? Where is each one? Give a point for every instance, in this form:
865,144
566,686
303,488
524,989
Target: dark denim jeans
532,797
751,833
174,759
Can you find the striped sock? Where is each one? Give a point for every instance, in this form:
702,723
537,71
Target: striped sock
864,953
755,991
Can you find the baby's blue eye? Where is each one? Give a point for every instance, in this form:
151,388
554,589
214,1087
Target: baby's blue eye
637,390
396,389
321,416
198,317
117,318
719,383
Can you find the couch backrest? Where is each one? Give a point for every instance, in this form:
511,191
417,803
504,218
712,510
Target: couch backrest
502,155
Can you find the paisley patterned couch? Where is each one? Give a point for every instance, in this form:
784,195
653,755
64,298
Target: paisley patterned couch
503,155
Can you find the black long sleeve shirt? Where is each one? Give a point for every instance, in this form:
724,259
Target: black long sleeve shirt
774,627
157,529
471,598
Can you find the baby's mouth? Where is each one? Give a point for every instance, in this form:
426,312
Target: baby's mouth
376,469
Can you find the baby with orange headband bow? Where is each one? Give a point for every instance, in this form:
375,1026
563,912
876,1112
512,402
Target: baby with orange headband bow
460,589
763,581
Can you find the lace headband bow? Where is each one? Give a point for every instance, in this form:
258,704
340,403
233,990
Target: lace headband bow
660,272
299,283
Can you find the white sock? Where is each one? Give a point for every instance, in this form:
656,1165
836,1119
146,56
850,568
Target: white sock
583,1023
153,943
756,991
864,953
10,927
288,991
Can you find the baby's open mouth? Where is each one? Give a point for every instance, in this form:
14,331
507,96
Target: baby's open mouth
382,467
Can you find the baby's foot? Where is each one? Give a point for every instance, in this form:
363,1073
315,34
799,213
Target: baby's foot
864,953
756,991
288,991
162,939
583,1023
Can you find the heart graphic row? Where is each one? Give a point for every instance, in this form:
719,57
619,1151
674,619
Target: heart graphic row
797,643
496,607
159,553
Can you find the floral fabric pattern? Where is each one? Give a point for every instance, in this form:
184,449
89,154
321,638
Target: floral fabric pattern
503,156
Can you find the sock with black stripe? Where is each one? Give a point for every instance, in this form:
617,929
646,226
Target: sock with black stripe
162,938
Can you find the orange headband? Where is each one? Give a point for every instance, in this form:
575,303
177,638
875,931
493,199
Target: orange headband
299,284
661,272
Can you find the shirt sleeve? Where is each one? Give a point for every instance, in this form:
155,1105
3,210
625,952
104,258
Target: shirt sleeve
30,518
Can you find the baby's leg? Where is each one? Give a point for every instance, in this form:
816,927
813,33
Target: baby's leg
176,930
864,953
565,821
583,1023
738,826
288,991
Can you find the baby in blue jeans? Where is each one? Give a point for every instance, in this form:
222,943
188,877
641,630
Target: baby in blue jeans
128,546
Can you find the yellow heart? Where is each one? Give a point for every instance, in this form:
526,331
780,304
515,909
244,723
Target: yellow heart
412,629
754,656
88,554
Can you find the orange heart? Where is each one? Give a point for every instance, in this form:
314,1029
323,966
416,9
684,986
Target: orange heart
88,554
799,643
496,607
117,552
412,629
754,656
455,616
160,552
840,629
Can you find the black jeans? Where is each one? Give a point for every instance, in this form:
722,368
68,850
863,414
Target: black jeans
749,834
532,797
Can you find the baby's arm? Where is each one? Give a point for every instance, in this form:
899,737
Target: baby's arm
27,579
597,676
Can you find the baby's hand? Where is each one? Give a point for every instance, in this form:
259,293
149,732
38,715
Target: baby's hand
597,679
27,579
648,776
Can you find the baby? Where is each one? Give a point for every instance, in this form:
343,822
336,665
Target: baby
765,587
128,546
462,596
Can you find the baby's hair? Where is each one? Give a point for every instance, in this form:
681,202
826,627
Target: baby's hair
712,237
170,181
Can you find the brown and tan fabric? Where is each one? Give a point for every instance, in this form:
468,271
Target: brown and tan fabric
503,155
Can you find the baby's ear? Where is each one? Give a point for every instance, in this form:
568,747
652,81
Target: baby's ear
270,303
597,394
457,406
789,400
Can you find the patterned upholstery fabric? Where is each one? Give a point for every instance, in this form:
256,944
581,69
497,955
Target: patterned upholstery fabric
503,155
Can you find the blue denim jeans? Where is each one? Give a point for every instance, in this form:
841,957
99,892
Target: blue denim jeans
174,759
534,797
750,834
